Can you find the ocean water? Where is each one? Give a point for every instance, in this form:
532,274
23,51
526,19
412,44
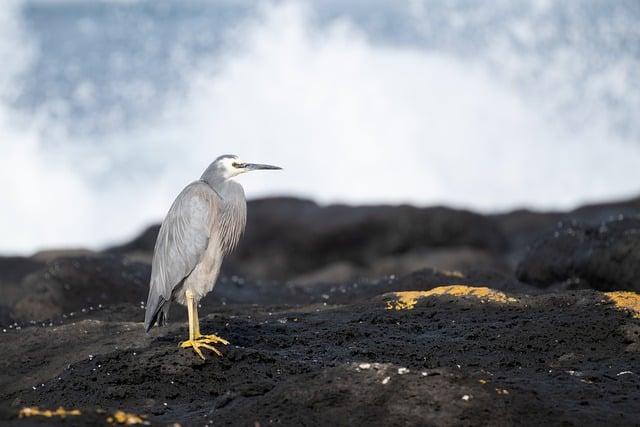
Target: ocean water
108,108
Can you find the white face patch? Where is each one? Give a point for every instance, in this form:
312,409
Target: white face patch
228,170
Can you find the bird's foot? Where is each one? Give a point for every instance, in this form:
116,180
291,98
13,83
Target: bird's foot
203,341
212,339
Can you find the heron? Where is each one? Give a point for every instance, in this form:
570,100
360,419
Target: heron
203,225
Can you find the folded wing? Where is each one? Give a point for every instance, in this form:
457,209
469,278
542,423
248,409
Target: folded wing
182,240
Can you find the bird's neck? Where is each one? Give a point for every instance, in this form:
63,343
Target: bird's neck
219,183
214,177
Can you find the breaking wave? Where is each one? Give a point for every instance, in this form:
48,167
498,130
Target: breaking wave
352,114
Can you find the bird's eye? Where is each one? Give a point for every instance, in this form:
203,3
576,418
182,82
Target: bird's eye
238,165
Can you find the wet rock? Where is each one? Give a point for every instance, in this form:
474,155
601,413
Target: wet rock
451,356
524,227
52,254
12,271
446,259
288,237
141,247
601,257
342,315
5,315
452,260
73,284
332,273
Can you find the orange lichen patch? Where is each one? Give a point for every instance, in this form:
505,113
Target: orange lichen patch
629,301
121,417
405,300
36,412
408,299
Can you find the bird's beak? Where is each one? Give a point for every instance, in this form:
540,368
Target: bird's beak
258,166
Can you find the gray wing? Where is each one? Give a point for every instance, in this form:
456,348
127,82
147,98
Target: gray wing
183,238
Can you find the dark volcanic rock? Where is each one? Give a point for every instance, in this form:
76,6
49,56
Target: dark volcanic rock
453,260
464,344
75,286
524,227
287,237
141,247
602,257
72,284
451,358
12,271
309,235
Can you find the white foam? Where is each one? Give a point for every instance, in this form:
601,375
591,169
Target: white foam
358,122
348,119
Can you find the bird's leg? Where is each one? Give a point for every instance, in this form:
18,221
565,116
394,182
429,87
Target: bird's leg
196,320
191,314
207,339
197,340
191,342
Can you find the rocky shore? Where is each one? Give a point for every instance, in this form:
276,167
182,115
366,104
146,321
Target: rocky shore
340,315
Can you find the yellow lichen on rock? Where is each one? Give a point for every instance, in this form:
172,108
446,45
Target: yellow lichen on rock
626,300
405,300
408,299
36,412
128,419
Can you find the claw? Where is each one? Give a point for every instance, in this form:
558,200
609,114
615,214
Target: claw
204,341
195,345
212,339
215,350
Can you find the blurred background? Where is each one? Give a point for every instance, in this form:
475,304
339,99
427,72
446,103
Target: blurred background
109,108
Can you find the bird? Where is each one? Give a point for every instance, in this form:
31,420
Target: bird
203,225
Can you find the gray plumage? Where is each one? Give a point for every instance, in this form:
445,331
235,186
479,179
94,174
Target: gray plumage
203,225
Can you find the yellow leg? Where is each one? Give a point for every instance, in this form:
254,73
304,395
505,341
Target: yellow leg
192,316
207,339
197,340
196,320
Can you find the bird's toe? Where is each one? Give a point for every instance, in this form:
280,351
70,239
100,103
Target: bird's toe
203,342
212,339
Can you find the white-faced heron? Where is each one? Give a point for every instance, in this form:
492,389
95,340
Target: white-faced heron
204,224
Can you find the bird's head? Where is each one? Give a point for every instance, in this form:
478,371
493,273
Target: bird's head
230,165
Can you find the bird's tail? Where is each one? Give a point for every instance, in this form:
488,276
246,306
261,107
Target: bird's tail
157,311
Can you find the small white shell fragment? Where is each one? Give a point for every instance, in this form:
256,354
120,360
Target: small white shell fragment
386,380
